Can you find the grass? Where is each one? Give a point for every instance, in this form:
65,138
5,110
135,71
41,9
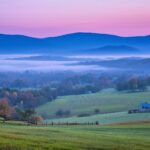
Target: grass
125,137
105,119
106,101
11,122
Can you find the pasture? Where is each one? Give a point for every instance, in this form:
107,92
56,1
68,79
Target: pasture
105,101
105,119
120,137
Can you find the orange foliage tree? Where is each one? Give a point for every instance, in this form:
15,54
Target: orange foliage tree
5,109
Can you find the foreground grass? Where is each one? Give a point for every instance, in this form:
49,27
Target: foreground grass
107,102
128,137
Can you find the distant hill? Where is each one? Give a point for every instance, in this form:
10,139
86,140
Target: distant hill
124,64
120,49
75,43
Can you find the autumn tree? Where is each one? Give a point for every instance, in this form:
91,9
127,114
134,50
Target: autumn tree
36,120
5,109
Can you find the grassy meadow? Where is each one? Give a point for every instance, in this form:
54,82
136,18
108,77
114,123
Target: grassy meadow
117,130
106,101
105,119
118,137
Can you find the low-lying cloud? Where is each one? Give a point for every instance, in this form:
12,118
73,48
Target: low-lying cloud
19,65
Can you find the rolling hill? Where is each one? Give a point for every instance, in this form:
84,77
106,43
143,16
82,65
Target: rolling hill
105,101
115,49
106,119
124,64
75,43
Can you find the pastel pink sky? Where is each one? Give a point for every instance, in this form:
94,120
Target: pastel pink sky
41,18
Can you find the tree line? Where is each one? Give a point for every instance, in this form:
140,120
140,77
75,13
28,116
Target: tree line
134,84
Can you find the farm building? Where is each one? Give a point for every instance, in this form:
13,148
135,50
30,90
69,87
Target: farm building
145,107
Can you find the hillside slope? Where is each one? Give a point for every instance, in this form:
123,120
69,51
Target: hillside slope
106,119
78,43
107,102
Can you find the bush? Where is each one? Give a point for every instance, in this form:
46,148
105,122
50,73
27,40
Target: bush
84,115
97,111
63,113
36,120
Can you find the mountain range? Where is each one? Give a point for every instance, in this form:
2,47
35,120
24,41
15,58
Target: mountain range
75,43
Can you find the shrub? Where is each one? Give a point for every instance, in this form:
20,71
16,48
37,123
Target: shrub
62,113
36,120
97,111
84,115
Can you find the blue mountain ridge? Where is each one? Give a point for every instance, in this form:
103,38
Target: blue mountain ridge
75,43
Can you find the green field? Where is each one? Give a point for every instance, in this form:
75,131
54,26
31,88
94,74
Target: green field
107,102
125,137
105,119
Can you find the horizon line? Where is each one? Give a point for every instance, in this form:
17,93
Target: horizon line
70,33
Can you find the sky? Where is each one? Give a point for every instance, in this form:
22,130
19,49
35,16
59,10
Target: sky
43,18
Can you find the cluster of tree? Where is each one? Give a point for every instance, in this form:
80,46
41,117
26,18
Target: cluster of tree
28,99
83,84
133,84
8,112
32,79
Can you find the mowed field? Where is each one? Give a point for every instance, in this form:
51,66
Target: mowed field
120,137
106,101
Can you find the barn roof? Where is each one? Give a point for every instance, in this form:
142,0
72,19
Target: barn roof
146,104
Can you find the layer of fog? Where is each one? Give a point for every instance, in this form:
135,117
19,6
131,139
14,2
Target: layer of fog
108,57
8,64
11,56
18,65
